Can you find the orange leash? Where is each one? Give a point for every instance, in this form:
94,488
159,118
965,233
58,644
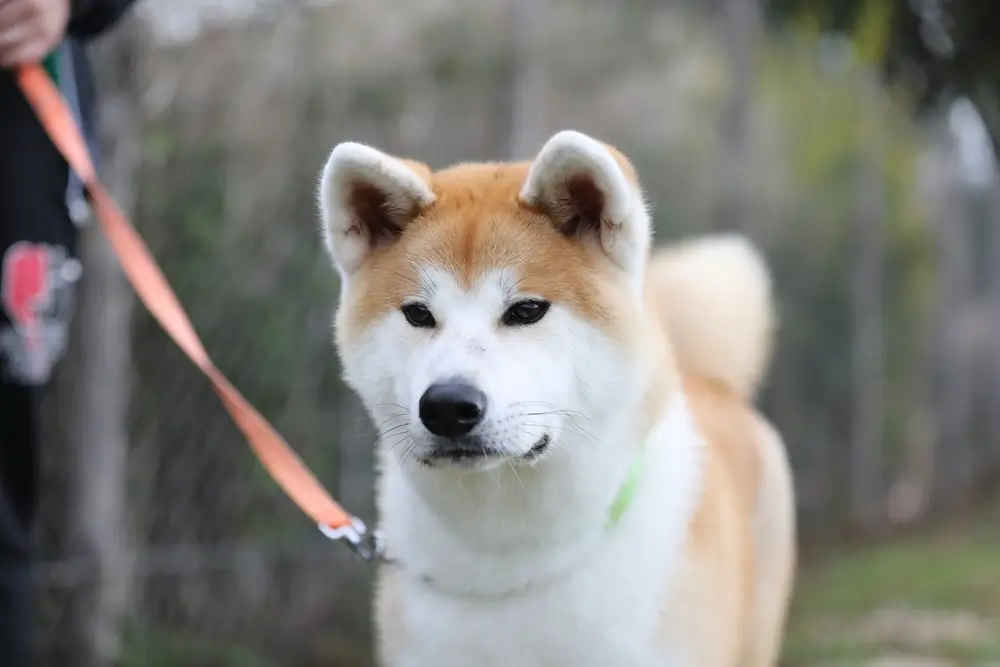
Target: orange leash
280,461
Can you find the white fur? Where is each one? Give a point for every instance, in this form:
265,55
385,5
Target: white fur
511,563
625,232
394,363
347,240
522,567
521,576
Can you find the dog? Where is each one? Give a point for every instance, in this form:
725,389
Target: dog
571,471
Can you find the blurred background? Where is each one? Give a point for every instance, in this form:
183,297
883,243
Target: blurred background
855,141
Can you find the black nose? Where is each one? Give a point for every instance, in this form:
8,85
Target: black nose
451,409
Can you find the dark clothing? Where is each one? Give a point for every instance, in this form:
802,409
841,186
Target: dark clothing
90,18
39,201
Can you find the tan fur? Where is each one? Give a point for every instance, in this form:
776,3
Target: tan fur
478,223
775,548
714,295
741,556
711,300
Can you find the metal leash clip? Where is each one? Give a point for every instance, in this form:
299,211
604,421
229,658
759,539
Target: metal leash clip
364,544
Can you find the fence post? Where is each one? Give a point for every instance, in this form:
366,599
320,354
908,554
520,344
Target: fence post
94,391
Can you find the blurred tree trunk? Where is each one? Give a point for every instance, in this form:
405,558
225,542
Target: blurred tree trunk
527,81
993,407
987,102
955,287
742,24
96,384
988,105
866,494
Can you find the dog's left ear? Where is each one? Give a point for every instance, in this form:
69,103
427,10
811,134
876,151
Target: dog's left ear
590,192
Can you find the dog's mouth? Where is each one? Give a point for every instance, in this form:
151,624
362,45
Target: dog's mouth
470,452
537,449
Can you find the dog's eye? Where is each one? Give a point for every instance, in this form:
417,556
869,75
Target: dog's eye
524,312
418,315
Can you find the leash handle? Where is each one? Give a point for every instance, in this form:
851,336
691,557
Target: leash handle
141,269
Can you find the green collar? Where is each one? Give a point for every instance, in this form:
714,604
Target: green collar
626,492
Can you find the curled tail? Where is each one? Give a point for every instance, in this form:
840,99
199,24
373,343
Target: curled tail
714,296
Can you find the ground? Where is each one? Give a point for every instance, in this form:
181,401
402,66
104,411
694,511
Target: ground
930,600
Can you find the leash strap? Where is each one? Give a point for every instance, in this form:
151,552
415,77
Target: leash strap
141,269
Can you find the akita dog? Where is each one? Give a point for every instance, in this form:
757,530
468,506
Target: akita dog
571,470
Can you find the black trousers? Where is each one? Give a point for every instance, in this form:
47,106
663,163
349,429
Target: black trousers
37,272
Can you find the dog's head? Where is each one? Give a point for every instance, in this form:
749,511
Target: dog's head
487,310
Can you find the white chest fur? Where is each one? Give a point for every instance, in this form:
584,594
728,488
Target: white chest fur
540,580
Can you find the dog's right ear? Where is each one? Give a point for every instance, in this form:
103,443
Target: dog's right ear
590,192
366,199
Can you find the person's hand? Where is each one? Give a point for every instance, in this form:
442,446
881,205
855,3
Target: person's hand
30,29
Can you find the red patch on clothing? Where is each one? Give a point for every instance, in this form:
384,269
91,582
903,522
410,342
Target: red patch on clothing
26,288
37,299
